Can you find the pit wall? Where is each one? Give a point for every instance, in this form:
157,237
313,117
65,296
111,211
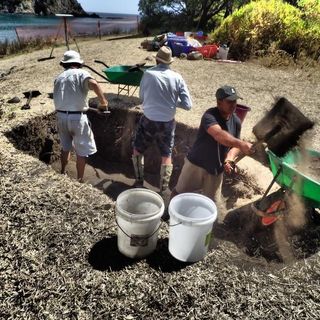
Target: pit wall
113,135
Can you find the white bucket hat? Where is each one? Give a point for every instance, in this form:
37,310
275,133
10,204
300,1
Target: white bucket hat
164,55
71,56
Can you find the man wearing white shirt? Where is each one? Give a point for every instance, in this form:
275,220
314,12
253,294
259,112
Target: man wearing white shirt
70,99
162,90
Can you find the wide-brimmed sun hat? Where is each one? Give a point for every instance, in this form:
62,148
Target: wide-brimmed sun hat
71,56
228,93
164,55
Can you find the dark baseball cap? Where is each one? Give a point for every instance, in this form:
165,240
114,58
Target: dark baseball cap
227,92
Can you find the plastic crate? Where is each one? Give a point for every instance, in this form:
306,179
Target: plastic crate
208,51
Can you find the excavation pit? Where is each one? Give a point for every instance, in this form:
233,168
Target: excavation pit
110,170
111,167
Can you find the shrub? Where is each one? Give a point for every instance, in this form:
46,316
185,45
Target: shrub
265,24
8,48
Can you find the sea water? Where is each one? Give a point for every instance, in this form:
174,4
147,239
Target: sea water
8,22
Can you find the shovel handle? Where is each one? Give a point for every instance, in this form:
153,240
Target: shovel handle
101,62
242,155
96,72
100,111
269,135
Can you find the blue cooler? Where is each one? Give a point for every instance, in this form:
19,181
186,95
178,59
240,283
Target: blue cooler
177,40
178,48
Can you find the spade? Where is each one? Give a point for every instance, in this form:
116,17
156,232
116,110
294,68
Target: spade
29,95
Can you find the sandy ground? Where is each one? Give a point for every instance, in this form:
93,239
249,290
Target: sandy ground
58,262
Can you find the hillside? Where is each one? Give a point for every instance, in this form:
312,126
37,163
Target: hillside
43,7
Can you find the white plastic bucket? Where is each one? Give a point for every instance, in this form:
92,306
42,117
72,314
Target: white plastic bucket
191,219
223,53
138,213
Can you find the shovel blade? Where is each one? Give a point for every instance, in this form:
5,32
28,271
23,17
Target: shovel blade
46,58
282,127
32,94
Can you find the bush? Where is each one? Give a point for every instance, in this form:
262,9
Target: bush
8,48
270,24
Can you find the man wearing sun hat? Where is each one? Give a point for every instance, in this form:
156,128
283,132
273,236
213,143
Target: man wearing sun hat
215,149
70,99
162,90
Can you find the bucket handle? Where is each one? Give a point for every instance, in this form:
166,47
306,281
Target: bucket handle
146,237
174,225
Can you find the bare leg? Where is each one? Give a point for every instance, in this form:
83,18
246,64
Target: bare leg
166,160
165,174
138,166
81,163
65,156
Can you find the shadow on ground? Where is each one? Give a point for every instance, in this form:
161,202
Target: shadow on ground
105,256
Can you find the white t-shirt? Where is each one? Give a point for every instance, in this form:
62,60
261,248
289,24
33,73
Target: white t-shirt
71,90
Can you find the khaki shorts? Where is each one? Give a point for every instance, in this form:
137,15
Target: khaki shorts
75,131
194,179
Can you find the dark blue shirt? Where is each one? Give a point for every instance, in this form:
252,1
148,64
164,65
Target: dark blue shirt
206,152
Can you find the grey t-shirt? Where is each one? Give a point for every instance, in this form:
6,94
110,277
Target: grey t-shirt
206,152
71,90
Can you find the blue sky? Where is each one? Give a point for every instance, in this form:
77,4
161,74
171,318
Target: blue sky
110,6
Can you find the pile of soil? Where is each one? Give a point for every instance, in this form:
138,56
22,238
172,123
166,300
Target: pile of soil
60,257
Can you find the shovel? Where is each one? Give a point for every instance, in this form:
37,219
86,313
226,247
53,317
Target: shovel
137,67
29,95
47,58
281,128
291,123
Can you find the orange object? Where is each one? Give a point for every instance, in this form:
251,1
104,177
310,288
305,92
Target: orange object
273,210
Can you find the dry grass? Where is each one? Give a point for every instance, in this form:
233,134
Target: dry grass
59,257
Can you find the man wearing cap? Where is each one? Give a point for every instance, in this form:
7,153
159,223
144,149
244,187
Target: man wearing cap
70,99
161,91
215,149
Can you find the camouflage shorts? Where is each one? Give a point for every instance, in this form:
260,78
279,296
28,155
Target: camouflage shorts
148,131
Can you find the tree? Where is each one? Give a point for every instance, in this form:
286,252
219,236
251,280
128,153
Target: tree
195,13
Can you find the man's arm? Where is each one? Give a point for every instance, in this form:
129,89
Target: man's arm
93,85
232,154
184,100
225,138
143,82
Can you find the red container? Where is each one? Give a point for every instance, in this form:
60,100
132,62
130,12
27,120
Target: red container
208,51
241,111
201,38
181,34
